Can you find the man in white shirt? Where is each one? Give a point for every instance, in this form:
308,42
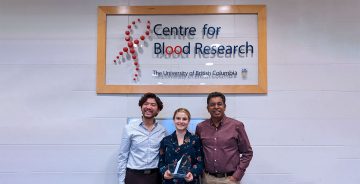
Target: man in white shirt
139,150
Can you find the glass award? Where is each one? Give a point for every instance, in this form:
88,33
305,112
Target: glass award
180,169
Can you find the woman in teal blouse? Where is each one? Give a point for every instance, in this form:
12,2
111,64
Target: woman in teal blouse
181,145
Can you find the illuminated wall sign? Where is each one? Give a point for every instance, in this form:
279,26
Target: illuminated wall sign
182,49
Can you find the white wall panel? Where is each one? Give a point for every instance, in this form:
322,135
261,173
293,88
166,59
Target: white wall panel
346,170
59,158
58,178
75,131
292,161
333,77
300,104
48,51
302,132
39,78
316,31
260,178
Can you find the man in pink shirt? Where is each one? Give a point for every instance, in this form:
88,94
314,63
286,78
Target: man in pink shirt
227,149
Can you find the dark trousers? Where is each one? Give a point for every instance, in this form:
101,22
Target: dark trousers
141,178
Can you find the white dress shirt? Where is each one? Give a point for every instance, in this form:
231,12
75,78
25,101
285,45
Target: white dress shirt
139,148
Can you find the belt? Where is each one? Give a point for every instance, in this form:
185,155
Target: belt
220,175
143,171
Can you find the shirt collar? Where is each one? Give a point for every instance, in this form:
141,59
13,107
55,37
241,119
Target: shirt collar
141,123
220,124
187,135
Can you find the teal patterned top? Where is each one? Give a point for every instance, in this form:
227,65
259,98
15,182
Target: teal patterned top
171,153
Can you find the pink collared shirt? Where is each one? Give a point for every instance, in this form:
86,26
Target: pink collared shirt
226,147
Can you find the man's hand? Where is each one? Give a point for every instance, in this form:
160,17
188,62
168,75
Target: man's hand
231,178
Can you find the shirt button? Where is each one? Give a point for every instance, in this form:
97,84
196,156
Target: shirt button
215,149
215,138
215,160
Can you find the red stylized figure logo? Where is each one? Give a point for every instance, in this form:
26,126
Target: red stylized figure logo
131,47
